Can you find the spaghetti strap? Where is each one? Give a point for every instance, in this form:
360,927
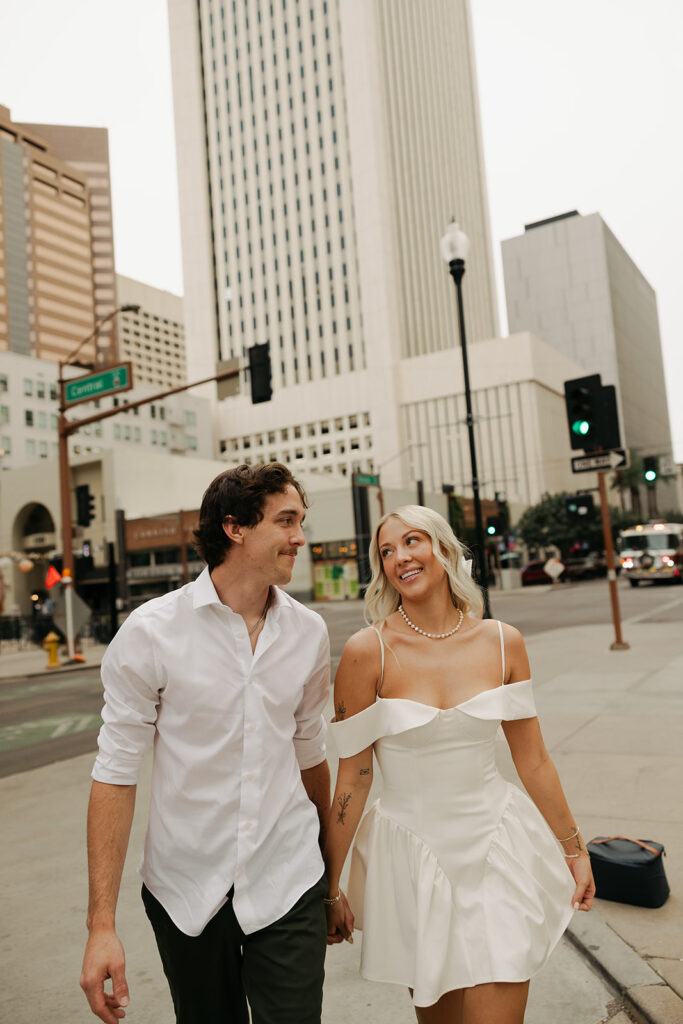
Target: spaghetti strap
381,647
502,650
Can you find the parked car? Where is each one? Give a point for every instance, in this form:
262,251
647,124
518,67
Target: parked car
586,567
533,572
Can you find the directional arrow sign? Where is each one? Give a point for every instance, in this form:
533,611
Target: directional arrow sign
615,459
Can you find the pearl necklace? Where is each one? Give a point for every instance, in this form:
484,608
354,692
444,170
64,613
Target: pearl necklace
432,636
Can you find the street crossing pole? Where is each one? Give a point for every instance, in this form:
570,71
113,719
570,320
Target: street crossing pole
619,643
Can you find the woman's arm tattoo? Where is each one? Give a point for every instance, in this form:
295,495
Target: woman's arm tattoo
343,802
365,771
341,710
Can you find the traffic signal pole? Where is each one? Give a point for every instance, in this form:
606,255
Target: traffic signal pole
619,643
65,428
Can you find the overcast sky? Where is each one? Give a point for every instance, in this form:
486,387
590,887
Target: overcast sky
580,105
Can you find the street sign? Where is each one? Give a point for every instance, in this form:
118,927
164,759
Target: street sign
554,568
367,479
615,459
97,385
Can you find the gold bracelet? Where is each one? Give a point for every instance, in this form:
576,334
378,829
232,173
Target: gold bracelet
572,836
330,902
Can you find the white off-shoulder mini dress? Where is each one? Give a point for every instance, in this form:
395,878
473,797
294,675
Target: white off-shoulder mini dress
456,879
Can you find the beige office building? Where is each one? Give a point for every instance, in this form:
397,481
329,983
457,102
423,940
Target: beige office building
323,147
47,298
569,280
86,149
153,339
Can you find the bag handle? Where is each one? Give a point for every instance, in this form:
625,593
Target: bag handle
639,842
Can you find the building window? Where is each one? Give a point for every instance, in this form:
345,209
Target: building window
28,417
153,436
30,448
42,420
192,443
53,392
42,449
40,389
163,441
190,417
4,414
117,431
3,382
28,386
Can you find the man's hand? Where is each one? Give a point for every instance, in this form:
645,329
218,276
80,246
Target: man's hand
104,958
339,921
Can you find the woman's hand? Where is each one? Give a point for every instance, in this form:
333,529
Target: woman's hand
580,868
339,921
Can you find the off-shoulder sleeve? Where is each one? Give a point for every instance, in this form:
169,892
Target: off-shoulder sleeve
519,701
383,718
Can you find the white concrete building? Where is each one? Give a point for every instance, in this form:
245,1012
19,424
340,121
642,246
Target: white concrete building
569,281
180,424
153,339
323,147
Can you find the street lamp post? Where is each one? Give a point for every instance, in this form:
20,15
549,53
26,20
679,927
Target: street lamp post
64,470
455,246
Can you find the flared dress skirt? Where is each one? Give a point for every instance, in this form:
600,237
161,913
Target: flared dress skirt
456,879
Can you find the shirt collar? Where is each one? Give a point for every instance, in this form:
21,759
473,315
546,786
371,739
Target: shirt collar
205,593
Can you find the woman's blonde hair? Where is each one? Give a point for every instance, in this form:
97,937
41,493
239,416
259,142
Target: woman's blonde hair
381,599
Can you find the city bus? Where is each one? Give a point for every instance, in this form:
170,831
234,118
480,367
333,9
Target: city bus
652,551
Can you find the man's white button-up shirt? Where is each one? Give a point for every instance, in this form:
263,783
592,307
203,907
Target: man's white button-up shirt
232,731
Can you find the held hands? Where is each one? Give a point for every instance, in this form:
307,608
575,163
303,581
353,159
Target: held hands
580,868
339,921
104,958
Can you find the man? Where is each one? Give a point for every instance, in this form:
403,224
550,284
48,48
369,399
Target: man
227,677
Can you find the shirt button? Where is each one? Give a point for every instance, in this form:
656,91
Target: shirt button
251,728
247,826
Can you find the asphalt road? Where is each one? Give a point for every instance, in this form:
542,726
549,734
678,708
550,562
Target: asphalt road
50,718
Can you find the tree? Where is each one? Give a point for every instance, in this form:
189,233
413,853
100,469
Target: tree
547,524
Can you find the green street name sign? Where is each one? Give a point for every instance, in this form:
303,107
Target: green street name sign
96,385
367,480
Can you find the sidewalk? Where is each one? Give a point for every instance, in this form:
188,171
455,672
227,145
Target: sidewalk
32,660
613,722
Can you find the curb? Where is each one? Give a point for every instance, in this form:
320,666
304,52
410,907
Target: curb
648,998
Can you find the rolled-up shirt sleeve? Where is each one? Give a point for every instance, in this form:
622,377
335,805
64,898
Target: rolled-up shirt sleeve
311,728
131,698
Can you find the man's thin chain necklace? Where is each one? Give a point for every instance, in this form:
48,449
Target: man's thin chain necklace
432,636
261,617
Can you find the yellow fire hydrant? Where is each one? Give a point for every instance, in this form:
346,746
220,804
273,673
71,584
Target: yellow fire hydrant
51,645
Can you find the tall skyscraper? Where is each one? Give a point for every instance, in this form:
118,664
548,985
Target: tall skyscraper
323,146
47,302
570,281
86,149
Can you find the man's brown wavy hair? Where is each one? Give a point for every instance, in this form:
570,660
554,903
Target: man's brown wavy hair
241,493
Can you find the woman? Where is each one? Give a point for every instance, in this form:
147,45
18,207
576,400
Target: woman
461,884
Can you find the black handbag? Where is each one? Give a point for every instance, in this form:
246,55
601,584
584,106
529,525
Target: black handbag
629,870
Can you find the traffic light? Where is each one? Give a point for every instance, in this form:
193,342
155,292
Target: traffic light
650,470
495,526
583,398
85,505
592,414
579,505
259,370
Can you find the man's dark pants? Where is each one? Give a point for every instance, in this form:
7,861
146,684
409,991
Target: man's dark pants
279,969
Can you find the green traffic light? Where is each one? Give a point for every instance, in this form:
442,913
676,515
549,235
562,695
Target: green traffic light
650,475
491,530
581,427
